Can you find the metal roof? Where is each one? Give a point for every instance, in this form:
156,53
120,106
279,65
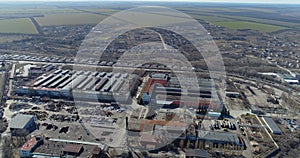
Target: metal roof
219,137
272,125
20,121
197,153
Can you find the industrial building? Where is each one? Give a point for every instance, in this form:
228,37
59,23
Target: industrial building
272,126
27,148
288,78
160,84
220,140
21,124
233,94
82,85
73,150
196,153
166,91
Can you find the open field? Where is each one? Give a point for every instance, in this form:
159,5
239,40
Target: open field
22,25
249,25
259,20
264,19
69,19
210,19
35,10
269,16
101,11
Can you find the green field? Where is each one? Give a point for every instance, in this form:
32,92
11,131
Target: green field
36,10
22,25
262,21
66,15
69,19
210,18
249,25
242,21
101,11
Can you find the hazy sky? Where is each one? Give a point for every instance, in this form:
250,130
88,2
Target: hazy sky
235,1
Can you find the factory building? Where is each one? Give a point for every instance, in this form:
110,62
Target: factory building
28,147
161,85
176,131
196,153
166,91
219,140
233,94
287,78
73,150
272,126
82,85
21,124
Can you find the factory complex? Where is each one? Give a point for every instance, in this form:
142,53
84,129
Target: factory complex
83,85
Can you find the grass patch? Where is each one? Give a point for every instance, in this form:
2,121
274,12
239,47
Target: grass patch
69,19
250,25
22,25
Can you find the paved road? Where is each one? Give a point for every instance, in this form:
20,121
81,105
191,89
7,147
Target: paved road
162,40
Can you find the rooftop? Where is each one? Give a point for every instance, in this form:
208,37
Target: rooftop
196,153
148,138
271,124
30,143
73,148
81,80
20,121
219,136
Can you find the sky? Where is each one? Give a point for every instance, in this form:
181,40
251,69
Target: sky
230,1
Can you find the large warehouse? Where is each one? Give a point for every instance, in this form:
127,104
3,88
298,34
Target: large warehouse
83,85
166,91
272,125
21,125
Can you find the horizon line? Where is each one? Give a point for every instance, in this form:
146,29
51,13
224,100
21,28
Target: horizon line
154,1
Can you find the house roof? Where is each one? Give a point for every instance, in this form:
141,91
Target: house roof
96,151
29,144
73,148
